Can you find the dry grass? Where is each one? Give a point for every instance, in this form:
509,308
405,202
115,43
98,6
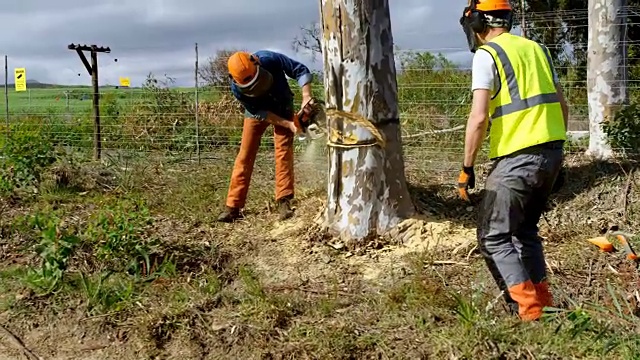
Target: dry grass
260,289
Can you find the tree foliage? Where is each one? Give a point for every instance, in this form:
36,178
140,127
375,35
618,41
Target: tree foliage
214,71
562,25
309,40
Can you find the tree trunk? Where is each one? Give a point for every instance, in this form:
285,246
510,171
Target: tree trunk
606,74
367,190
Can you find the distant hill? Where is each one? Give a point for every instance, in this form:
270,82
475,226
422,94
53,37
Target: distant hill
35,84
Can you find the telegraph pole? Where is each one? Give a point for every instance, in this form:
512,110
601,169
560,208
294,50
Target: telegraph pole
197,107
92,69
6,94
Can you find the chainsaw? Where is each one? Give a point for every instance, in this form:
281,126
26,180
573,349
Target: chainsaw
622,239
311,120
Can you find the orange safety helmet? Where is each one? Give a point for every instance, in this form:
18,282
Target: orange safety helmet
474,19
243,68
248,75
491,5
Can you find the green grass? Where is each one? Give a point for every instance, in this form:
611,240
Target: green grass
77,100
125,257
51,99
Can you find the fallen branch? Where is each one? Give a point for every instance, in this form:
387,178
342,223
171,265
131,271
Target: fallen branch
431,132
277,288
18,344
471,252
446,262
549,267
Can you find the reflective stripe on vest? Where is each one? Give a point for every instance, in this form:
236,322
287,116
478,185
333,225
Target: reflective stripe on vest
526,110
518,104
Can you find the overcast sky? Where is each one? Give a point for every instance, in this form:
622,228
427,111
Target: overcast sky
159,35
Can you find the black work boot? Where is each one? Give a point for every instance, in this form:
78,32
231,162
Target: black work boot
284,207
229,215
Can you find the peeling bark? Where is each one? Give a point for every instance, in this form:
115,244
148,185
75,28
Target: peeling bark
606,74
367,190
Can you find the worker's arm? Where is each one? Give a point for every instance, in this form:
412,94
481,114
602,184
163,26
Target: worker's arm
293,69
276,120
565,107
271,118
253,111
476,126
306,92
556,81
484,79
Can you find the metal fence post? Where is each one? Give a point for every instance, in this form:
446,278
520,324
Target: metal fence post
197,109
6,97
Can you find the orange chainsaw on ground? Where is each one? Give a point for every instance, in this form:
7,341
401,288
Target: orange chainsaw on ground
311,120
622,239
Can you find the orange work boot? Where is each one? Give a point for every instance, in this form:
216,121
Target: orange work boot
544,295
284,207
229,215
529,306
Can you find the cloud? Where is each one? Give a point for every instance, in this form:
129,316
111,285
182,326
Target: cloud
159,35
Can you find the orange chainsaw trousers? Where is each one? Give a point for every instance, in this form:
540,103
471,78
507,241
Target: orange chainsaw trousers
252,131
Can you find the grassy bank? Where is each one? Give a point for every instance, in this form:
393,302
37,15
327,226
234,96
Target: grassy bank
124,260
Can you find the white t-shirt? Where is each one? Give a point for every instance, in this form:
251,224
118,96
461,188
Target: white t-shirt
484,73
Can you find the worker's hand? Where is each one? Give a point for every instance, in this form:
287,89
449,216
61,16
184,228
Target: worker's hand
304,106
466,180
292,126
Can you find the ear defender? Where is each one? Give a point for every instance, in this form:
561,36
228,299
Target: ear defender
477,21
473,22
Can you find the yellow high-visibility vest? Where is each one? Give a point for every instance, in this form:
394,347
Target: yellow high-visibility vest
526,110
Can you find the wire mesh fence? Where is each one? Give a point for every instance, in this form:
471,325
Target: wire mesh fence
205,122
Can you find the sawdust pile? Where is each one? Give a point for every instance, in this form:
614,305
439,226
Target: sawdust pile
377,258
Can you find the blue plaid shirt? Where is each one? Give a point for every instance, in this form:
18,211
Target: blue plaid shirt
279,99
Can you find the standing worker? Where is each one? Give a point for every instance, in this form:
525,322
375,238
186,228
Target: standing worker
514,84
258,81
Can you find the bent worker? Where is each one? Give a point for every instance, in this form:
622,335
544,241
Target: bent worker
514,84
258,81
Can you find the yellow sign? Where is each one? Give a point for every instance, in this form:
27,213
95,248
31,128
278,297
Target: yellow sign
21,79
125,82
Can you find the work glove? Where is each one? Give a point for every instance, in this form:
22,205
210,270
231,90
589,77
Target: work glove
466,180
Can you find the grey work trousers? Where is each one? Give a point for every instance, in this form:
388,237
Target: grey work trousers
516,192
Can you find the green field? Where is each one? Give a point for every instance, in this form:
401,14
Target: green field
72,99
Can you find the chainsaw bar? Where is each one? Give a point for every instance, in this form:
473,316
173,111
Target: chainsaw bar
317,127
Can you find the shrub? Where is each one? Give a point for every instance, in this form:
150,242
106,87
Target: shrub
121,238
27,152
54,249
623,131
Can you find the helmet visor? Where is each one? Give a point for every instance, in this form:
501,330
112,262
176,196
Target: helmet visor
469,33
261,84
